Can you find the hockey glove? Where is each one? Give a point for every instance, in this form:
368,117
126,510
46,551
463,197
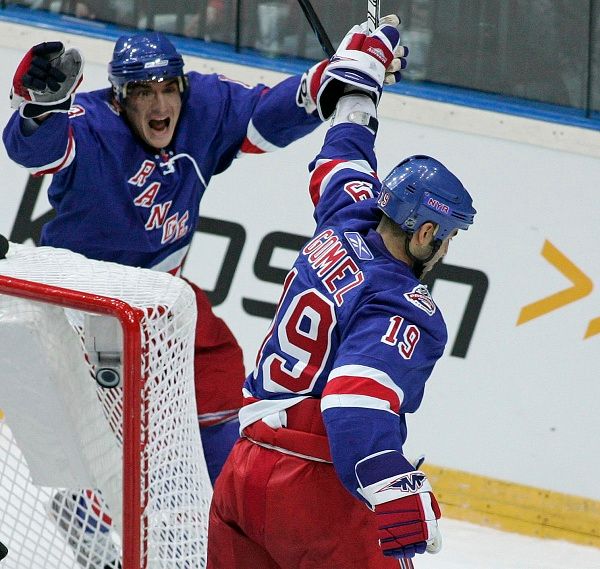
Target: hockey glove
362,63
306,96
46,79
402,499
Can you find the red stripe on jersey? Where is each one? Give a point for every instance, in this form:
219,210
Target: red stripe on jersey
70,144
249,148
317,178
353,385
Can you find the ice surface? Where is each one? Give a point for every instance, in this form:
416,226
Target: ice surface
469,546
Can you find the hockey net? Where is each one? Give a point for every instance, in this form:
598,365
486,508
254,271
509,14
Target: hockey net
90,476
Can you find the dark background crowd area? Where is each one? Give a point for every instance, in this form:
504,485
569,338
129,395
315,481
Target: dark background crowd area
543,51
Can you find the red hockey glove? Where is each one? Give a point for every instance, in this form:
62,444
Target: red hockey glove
406,509
363,63
46,79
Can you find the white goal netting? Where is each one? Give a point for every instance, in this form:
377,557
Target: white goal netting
96,477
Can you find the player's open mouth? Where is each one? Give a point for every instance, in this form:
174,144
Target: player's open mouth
159,125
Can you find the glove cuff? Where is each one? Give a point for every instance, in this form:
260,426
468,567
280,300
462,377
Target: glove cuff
386,476
32,110
396,487
370,72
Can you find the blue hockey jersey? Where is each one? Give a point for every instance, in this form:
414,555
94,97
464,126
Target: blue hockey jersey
119,200
354,328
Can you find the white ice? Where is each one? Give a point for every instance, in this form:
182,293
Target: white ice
469,546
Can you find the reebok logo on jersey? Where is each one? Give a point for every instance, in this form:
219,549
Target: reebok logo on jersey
358,245
408,483
421,298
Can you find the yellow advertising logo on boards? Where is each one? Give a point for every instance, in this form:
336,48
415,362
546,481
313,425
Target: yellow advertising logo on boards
582,287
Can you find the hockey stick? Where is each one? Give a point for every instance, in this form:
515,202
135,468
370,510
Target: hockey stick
373,15
317,27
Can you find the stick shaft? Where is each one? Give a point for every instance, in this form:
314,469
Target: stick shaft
317,27
373,15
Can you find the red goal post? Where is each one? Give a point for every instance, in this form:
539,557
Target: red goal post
91,475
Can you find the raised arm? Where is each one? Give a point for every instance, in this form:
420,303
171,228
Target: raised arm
43,88
345,169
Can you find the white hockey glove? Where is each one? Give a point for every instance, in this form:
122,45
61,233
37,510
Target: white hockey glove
46,79
406,509
363,63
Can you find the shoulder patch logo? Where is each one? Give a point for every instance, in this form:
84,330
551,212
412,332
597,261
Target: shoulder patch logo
358,245
421,298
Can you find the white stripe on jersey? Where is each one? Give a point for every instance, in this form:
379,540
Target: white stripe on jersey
362,401
59,164
257,139
264,408
172,264
358,165
369,372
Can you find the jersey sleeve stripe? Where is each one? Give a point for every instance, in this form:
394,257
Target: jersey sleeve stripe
365,387
320,177
326,169
256,143
368,372
59,164
336,401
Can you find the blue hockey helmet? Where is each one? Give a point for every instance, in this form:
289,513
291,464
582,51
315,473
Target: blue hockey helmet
421,189
146,56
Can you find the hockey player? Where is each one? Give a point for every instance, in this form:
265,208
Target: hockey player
130,165
319,479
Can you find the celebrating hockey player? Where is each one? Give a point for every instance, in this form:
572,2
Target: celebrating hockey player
319,479
131,164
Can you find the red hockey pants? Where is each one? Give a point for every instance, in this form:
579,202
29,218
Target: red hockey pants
276,511
218,365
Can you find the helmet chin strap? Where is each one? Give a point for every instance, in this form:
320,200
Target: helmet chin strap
419,264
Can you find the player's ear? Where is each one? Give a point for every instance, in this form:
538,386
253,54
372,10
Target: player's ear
425,234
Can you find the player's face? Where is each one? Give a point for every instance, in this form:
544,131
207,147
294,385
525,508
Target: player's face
153,110
440,253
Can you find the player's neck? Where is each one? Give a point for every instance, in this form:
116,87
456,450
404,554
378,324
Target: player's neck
394,245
